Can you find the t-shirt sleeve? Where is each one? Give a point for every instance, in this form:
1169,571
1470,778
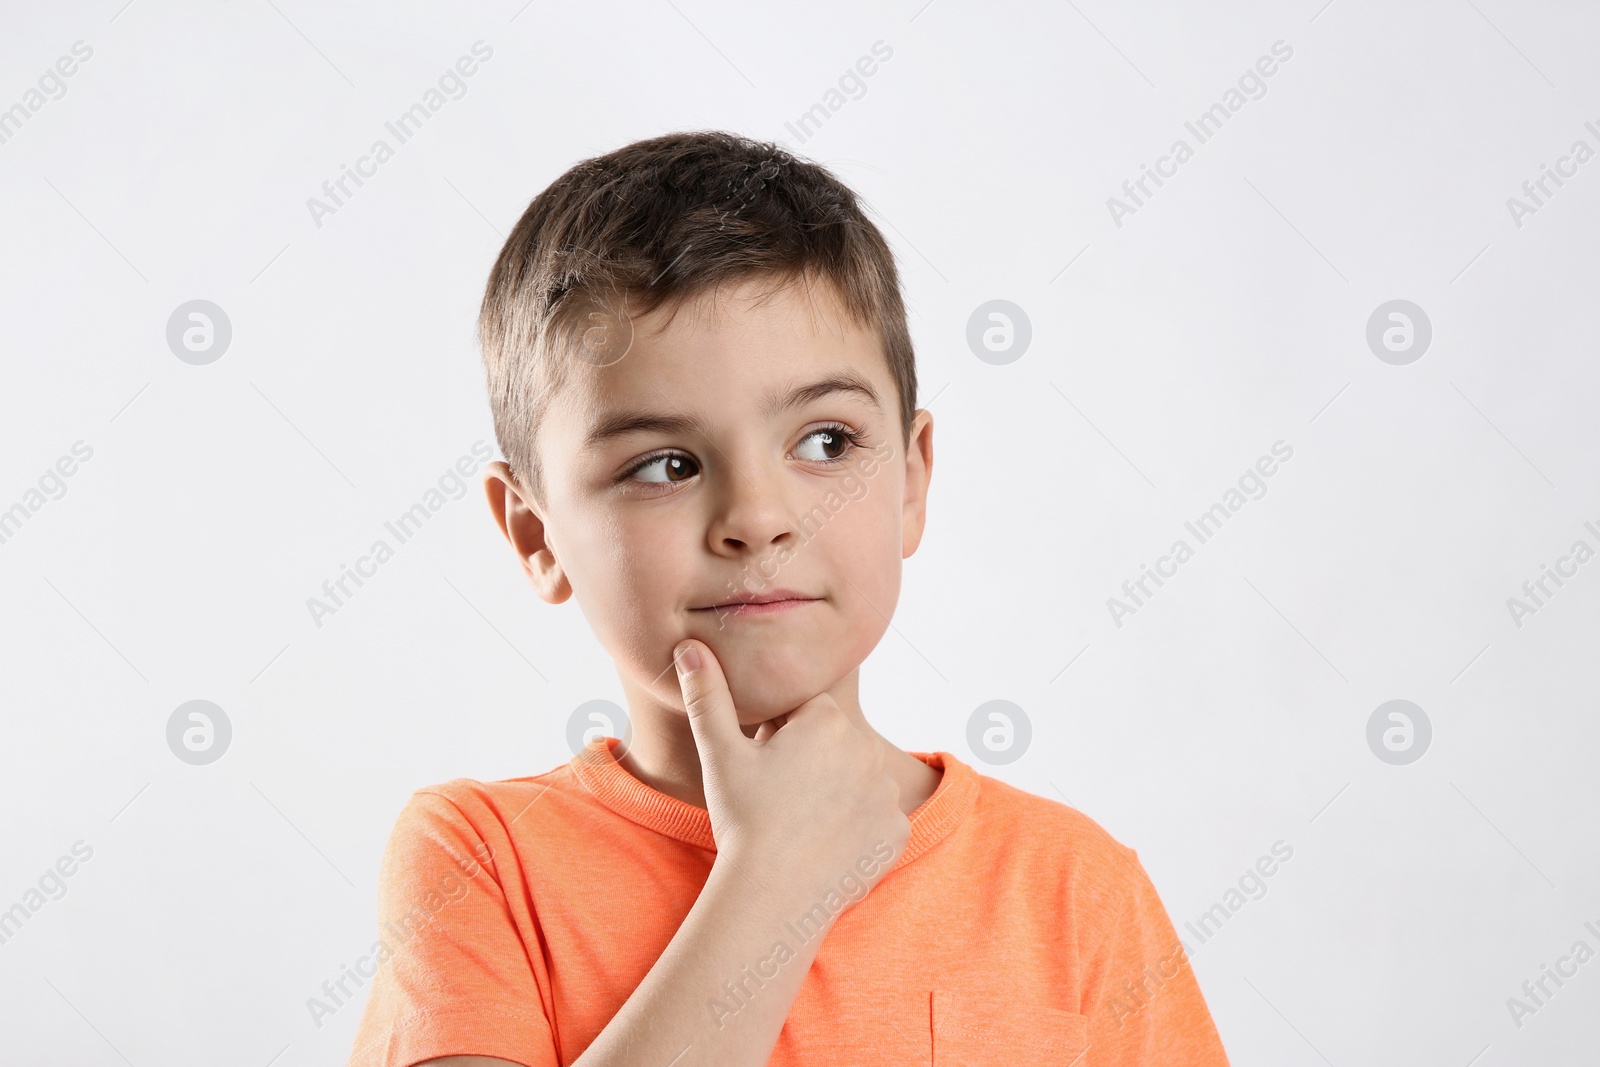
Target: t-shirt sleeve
1143,1002
453,973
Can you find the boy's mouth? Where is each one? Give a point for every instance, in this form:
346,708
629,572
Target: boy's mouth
768,603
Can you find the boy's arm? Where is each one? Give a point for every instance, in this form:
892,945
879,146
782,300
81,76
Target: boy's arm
789,814
1141,996
450,971
671,1018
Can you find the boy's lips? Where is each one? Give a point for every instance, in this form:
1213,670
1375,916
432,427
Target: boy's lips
773,602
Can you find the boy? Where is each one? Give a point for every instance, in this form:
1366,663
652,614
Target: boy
703,382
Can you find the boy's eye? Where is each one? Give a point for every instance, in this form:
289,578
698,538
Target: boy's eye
834,441
826,445
667,469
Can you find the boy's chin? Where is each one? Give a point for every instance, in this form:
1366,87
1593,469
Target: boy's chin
760,694
766,703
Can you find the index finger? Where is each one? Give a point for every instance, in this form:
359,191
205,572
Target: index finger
712,717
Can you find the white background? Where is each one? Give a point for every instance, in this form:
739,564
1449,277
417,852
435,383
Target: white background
1168,354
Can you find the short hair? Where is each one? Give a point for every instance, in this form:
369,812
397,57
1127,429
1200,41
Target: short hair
663,220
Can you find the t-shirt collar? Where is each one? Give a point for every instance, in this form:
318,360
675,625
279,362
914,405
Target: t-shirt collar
597,768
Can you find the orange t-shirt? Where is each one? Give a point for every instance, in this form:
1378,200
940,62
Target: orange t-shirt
516,917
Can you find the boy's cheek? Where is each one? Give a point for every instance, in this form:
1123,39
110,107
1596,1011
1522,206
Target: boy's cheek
628,599
880,530
868,601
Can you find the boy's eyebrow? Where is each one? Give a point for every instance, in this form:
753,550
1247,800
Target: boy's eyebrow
845,382
623,423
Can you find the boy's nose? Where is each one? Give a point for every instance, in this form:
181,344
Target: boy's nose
751,512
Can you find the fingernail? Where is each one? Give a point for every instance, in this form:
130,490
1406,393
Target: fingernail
688,660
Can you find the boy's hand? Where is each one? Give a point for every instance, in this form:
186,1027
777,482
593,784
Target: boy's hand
794,808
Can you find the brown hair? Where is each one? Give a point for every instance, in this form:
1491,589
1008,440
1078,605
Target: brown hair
661,220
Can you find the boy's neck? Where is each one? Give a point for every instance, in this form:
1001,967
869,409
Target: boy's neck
662,753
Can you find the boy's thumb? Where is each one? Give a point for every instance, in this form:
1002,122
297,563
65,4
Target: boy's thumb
712,717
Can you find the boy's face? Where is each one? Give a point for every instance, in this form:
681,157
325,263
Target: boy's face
736,476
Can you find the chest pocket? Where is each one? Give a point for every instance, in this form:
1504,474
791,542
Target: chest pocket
992,1031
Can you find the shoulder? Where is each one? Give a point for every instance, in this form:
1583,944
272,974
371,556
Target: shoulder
475,797
464,814
1044,823
1058,850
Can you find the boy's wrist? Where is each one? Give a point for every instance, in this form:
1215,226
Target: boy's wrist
746,868
816,896
748,877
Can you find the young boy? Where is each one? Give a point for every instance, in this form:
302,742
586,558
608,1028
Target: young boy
704,387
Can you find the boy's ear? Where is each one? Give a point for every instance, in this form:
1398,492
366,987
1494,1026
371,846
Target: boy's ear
514,512
919,469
